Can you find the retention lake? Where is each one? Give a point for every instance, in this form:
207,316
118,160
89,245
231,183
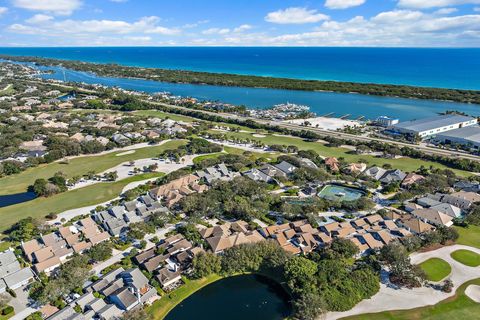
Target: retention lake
11,199
321,103
235,298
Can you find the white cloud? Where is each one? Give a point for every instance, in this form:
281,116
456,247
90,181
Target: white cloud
165,31
343,4
295,15
446,11
216,31
476,9
61,7
39,18
242,28
392,28
3,10
425,4
81,27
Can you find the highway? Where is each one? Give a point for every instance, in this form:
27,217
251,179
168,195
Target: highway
326,133
321,132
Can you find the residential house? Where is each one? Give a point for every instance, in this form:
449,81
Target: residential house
434,217
461,199
411,179
393,176
333,164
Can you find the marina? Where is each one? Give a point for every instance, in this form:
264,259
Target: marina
327,103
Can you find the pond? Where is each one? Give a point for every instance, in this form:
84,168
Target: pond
340,193
11,199
235,298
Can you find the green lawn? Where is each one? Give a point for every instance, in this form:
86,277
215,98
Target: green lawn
469,236
405,164
87,196
436,269
7,90
19,183
466,257
457,307
207,156
164,115
162,307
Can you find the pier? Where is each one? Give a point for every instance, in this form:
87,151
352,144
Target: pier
328,115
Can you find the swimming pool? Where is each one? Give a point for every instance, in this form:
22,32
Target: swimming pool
340,193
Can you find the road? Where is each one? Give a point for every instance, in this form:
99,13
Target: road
321,132
327,133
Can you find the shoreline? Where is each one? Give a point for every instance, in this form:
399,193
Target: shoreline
171,304
254,81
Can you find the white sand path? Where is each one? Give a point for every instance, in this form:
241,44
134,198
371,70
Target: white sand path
124,170
165,168
390,298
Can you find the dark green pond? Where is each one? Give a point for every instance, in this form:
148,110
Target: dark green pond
235,298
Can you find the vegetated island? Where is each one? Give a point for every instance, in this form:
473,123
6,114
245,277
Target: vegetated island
235,80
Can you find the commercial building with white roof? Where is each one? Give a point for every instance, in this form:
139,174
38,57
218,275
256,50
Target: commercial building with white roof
432,126
467,136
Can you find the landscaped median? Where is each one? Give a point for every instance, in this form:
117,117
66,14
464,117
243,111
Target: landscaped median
162,307
436,269
466,257
457,307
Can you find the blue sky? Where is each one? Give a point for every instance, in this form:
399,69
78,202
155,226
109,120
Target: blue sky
419,23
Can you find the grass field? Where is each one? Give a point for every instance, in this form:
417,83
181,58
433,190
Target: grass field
207,156
466,257
7,91
19,183
436,269
457,307
87,196
405,164
164,115
162,307
469,236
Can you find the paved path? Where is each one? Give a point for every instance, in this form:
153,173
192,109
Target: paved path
389,298
23,314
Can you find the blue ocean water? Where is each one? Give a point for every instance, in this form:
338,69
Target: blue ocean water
321,103
443,68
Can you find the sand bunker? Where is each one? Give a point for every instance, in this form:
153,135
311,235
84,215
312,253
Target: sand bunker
125,153
473,292
256,135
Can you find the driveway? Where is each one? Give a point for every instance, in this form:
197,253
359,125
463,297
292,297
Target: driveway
389,298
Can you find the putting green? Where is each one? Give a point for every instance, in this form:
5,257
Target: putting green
466,257
436,269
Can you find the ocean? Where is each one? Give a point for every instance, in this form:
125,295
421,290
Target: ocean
442,68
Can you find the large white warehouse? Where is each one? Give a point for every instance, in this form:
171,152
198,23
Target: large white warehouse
428,127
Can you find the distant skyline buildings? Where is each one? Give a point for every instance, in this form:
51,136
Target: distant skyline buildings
380,23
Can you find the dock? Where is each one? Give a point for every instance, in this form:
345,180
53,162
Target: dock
345,116
328,115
